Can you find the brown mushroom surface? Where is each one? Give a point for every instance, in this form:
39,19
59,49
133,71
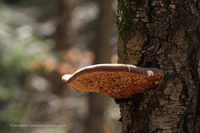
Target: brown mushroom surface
114,80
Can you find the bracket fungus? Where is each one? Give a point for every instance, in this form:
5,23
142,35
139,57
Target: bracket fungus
118,81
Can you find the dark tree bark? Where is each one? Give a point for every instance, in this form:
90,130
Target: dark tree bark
163,34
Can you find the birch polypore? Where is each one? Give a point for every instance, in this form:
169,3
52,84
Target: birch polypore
118,81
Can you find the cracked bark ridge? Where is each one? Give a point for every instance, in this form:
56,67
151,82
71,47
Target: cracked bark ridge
118,81
171,32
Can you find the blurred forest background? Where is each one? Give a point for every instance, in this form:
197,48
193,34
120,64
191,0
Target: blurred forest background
40,40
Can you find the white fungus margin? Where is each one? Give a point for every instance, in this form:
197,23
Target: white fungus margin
66,76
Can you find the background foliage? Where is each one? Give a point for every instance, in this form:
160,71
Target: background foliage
29,62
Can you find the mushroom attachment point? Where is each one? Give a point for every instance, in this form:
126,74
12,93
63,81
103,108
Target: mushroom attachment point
118,81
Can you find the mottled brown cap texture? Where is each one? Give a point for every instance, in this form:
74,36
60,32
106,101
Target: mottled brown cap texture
118,81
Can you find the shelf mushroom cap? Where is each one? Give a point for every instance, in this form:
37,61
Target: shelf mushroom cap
118,81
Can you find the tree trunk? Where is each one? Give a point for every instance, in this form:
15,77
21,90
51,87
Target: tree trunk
98,102
65,35
162,34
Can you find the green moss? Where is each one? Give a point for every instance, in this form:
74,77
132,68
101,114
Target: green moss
125,16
